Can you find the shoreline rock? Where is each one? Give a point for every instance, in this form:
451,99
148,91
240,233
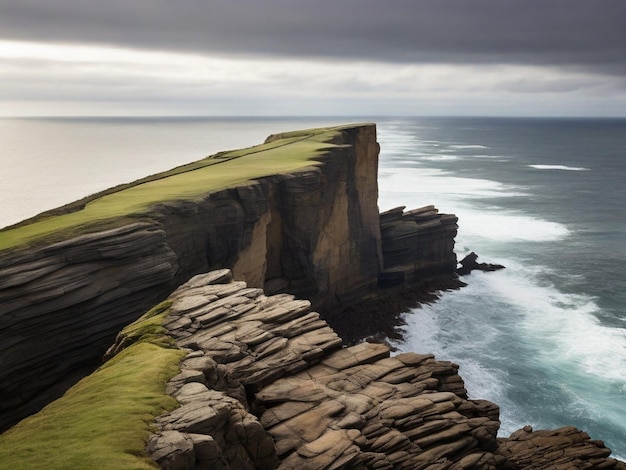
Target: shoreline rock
470,263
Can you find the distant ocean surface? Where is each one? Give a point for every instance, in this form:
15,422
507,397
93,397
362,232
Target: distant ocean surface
545,338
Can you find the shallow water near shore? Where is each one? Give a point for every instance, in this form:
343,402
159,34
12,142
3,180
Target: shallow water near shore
545,338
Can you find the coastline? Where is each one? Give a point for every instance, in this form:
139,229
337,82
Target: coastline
401,298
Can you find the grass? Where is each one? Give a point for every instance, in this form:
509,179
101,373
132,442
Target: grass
104,420
125,203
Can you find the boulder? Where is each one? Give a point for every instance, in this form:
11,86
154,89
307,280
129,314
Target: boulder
470,263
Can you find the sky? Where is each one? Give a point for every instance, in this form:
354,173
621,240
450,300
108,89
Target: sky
313,57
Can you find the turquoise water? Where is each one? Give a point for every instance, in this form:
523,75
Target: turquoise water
544,338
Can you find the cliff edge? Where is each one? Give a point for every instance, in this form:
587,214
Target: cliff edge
296,214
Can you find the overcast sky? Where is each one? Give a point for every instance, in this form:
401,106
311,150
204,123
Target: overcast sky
313,57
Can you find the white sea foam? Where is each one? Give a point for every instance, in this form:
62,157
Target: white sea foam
467,146
558,167
498,158
558,332
437,184
499,225
567,333
439,157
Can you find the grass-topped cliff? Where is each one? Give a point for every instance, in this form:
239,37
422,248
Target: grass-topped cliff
119,205
298,213
104,420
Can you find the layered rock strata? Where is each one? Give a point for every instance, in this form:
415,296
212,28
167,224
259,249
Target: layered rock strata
267,384
417,245
61,304
313,232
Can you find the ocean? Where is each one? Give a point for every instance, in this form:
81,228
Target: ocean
544,338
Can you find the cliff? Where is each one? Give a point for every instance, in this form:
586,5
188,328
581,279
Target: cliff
297,214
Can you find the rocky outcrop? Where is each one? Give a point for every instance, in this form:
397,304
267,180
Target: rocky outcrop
267,384
562,448
417,245
312,232
470,263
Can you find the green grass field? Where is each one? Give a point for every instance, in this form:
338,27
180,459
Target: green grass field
116,206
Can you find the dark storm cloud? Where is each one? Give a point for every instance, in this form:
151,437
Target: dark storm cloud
580,33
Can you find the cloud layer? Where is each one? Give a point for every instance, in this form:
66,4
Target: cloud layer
247,51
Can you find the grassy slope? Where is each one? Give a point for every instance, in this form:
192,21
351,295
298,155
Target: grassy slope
102,422
113,207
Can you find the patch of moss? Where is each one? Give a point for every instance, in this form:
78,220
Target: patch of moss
105,419
129,202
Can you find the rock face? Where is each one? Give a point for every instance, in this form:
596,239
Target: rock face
267,384
417,245
60,304
313,233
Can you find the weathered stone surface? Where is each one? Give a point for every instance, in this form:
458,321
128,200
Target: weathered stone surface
417,245
62,305
172,450
319,405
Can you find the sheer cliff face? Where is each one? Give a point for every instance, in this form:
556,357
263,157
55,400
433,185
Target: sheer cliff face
313,232
321,233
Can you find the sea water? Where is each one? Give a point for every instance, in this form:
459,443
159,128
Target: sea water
545,338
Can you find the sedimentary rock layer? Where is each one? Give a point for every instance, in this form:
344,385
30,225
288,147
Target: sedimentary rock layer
313,232
417,245
267,384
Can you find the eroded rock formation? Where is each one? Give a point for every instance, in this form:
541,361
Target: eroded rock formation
470,263
313,233
267,384
417,245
